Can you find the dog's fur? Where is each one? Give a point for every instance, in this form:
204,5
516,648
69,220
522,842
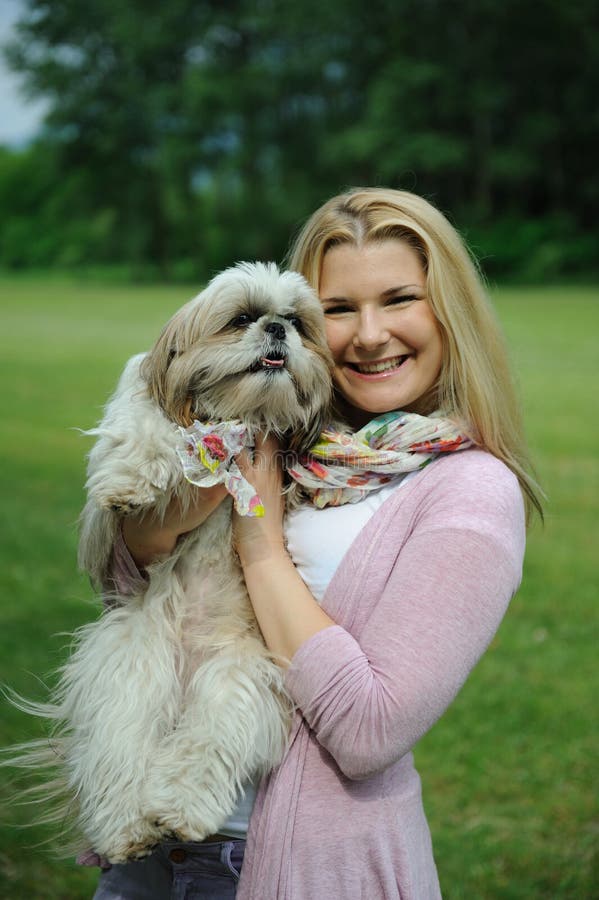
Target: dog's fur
171,701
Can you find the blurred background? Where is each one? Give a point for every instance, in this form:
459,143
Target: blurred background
177,137
144,146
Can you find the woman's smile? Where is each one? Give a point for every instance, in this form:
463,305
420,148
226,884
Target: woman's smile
382,368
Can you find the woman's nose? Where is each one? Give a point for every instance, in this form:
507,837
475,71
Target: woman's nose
371,331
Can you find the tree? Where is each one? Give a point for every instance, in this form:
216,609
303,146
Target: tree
202,132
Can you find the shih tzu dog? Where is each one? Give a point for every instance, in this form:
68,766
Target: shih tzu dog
170,702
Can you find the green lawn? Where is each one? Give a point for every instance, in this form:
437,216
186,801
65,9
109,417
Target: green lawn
507,772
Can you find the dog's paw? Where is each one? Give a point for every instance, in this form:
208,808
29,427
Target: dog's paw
173,827
129,491
124,507
125,502
141,850
176,817
133,844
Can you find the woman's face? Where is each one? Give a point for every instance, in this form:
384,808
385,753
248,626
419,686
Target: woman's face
383,335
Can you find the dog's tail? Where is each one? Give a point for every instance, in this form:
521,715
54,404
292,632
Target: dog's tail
39,778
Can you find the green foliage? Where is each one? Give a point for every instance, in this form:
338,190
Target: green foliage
535,250
507,772
177,132
49,224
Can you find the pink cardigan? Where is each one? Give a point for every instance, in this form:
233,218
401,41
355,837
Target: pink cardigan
417,599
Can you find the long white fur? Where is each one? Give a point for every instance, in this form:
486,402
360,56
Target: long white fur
170,701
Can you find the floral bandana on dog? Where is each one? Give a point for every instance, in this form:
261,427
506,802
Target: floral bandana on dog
343,467
208,458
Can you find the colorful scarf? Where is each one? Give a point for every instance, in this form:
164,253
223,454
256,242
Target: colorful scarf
343,467
208,454
340,468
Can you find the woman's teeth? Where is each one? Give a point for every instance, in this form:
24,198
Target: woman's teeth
383,366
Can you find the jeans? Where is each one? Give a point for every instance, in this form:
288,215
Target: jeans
177,871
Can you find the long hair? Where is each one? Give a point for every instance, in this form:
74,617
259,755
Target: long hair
475,384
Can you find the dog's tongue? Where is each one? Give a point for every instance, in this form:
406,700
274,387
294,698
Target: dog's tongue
272,363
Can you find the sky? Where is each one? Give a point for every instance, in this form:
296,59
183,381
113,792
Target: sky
20,118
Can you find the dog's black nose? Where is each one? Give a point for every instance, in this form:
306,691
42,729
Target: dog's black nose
277,330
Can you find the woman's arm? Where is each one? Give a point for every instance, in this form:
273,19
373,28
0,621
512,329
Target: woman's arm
285,609
371,697
149,537
145,538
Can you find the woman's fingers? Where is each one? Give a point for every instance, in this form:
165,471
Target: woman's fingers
262,460
267,445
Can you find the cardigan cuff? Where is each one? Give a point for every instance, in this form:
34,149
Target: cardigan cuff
124,577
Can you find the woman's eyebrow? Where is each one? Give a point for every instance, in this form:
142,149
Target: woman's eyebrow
334,300
402,287
386,293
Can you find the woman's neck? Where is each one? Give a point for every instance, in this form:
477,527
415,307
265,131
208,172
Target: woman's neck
355,418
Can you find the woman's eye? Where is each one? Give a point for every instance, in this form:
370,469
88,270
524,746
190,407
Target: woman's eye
401,298
241,321
333,310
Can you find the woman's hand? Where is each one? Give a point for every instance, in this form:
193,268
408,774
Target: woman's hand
253,537
148,537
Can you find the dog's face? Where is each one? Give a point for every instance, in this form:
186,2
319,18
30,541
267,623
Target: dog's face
251,347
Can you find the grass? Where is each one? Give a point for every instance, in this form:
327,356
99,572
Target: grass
507,771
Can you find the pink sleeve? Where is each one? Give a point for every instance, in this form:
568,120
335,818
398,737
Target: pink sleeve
369,698
123,576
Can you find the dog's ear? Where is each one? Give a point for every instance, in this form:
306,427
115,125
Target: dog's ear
301,439
317,406
165,368
186,413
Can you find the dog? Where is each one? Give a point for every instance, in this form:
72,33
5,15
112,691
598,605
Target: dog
170,701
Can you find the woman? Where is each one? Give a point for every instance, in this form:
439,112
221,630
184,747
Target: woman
381,607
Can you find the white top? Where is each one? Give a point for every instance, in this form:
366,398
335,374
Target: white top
317,541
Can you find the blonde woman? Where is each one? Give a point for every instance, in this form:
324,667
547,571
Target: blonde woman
381,607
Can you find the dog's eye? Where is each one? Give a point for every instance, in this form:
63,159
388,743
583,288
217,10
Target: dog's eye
241,321
295,321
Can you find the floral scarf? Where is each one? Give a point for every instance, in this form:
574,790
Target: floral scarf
343,467
340,468
207,451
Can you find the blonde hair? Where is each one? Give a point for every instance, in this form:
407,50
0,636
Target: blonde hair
475,384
